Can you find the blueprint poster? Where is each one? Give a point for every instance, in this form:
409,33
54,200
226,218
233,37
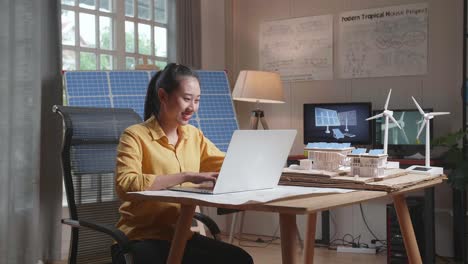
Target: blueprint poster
390,41
298,48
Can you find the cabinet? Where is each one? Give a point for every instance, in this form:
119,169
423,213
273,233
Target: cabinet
459,196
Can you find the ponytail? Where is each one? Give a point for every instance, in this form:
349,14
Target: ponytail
152,102
167,79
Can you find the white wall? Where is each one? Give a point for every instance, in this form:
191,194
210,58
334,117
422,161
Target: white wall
438,89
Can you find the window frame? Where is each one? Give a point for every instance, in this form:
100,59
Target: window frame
118,19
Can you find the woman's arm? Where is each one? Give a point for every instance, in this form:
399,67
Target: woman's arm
211,158
166,181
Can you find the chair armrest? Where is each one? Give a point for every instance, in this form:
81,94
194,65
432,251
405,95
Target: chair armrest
115,233
209,223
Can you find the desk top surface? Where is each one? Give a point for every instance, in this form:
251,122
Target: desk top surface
301,204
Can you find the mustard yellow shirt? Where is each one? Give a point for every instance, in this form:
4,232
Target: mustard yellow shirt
144,153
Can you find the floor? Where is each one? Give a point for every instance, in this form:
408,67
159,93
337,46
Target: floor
269,251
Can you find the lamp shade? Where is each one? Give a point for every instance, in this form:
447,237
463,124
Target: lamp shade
258,86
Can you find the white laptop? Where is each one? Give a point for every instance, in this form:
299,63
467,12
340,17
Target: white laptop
254,160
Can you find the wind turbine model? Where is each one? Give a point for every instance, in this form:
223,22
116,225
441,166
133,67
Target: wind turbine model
427,119
396,134
388,115
418,125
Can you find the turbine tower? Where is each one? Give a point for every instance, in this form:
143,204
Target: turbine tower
427,119
388,115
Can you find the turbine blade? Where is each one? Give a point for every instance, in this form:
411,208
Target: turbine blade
417,105
388,99
405,136
402,116
421,128
439,113
375,117
394,121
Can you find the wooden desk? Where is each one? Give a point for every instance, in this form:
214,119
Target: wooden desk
289,208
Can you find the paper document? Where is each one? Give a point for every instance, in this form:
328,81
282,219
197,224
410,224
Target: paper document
257,196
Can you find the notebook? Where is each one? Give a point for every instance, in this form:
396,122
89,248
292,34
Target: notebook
254,161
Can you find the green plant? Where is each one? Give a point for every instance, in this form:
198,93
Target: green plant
454,159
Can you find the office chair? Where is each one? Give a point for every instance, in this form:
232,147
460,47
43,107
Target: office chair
89,143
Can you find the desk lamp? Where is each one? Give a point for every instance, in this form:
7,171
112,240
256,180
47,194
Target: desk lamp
258,87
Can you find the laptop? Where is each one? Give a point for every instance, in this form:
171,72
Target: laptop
254,161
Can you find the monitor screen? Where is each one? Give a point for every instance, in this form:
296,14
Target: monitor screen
402,142
337,122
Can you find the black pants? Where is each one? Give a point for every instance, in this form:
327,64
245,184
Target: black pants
199,249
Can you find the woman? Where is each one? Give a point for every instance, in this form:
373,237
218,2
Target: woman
162,152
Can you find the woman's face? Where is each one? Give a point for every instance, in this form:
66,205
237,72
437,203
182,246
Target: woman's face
183,102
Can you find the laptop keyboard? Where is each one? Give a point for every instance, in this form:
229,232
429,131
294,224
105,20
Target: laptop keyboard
206,190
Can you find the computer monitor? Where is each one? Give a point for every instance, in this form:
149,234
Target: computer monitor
337,122
402,142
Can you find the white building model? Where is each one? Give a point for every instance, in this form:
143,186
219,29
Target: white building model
328,156
367,165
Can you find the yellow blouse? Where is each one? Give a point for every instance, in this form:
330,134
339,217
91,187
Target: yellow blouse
144,153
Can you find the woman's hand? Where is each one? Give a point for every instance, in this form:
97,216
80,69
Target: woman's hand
199,177
166,181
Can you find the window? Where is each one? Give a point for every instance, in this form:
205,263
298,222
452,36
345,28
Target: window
114,34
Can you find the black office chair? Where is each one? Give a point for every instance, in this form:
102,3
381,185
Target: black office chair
90,139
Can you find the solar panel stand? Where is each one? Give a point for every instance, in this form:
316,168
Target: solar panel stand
258,115
346,129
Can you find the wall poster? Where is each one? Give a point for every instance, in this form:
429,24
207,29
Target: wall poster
390,41
298,48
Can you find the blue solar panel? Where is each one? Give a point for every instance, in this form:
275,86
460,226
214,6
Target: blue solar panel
87,83
326,117
215,106
218,131
136,102
129,83
127,89
214,82
348,118
90,101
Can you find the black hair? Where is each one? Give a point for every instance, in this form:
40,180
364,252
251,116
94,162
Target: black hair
167,79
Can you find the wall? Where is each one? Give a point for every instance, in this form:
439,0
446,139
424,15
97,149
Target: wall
438,89
213,35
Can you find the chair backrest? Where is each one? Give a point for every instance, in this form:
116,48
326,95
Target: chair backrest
89,147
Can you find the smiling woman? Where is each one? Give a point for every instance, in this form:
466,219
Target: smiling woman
162,152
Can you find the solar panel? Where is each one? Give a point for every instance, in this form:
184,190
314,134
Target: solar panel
219,131
87,84
136,102
215,106
348,118
326,117
127,89
98,101
129,83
